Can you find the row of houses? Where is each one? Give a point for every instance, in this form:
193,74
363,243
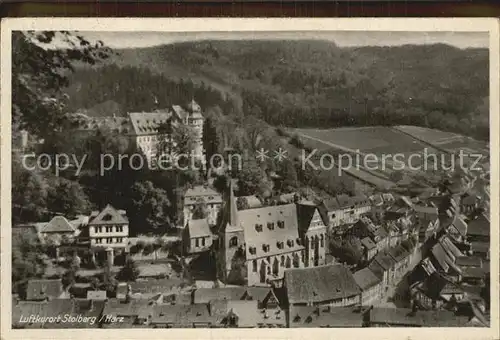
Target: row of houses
230,314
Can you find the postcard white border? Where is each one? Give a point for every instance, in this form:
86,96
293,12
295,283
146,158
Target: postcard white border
254,24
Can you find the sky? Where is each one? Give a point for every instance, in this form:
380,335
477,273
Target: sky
341,38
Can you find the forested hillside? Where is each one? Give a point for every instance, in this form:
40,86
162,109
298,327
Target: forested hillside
303,83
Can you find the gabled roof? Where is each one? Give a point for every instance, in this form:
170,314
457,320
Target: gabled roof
368,243
422,209
199,228
305,214
205,295
58,224
460,225
108,215
366,279
319,284
43,289
469,261
203,194
405,317
135,308
179,315
147,123
285,232
384,260
398,253
246,311
334,317
479,226
479,247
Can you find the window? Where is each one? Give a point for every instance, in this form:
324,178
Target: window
107,217
252,250
258,227
282,260
203,242
233,242
281,224
98,229
119,240
197,242
333,215
322,241
280,245
265,247
119,229
109,229
270,226
290,243
98,240
254,265
109,240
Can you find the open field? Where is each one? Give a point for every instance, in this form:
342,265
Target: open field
446,141
407,142
376,140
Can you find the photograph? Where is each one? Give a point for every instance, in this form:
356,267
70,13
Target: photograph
255,178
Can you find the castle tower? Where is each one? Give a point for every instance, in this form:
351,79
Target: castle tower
231,236
196,121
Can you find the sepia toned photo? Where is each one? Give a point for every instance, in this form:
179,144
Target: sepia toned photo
256,178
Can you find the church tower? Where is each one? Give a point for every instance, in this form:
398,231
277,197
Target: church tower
231,236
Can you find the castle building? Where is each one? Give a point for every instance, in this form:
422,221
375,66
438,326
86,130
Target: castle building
268,240
147,133
146,130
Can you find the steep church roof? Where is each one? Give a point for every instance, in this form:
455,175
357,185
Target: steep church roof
231,222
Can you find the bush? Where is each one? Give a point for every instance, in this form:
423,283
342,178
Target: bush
148,249
129,272
140,245
297,142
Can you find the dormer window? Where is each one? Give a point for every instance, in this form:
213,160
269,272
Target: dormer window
270,225
258,227
107,217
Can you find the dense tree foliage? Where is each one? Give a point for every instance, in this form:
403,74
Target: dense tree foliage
39,73
26,261
308,83
129,272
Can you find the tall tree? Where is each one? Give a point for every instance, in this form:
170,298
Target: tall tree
67,197
39,73
149,207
